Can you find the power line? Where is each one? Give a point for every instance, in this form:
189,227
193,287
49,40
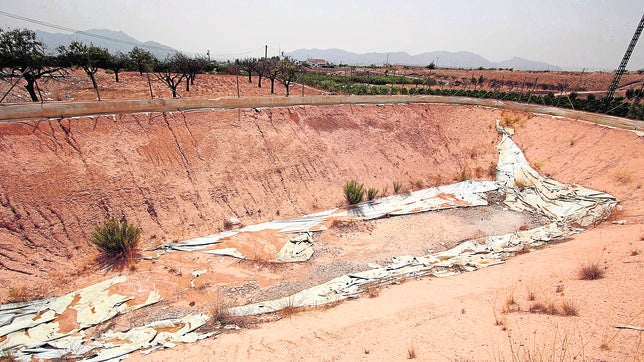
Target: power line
60,27
64,28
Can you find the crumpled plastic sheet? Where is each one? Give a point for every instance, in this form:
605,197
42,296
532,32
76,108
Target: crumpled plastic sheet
567,206
527,190
467,256
35,330
462,194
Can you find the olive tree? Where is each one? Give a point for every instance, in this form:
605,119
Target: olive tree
289,70
89,57
23,56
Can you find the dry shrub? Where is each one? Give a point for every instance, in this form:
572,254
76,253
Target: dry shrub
623,176
23,294
372,193
591,271
353,192
537,165
514,119
219,316
397,187
466,173
411,352
491,170
478,171
569,308
372,290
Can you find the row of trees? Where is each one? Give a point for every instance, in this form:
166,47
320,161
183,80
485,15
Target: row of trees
285,69
23,56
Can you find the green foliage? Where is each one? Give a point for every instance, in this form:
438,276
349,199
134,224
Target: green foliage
23,55
372,192
117,241
142,60
353,192
397,187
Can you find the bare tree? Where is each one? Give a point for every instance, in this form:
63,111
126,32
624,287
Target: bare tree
190,67
248,65
169,73
261,67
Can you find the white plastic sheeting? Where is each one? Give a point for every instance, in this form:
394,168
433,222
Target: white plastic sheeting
33,330
38,330
462,194
567,206
527,190
467,256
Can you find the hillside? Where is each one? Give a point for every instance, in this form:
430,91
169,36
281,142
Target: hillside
462,59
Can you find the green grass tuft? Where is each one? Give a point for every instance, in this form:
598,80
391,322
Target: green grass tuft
118,243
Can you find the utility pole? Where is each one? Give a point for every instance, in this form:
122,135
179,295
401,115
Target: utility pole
265,51
622,66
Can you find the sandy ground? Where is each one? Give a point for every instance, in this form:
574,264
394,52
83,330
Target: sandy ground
180,175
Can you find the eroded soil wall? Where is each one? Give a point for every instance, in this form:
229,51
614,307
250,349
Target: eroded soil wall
181,174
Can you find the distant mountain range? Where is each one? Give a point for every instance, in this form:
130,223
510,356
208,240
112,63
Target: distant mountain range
441,58
114,41
117,41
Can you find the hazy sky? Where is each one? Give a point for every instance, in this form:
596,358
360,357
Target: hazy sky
568,33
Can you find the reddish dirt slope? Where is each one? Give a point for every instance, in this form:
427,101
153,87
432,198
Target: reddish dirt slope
180,175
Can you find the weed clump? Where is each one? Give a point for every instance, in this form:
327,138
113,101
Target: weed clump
372,192
118,243
591,271
353,192
397,187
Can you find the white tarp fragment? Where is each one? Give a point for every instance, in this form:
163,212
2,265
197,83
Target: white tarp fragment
567,206
59,318
467,256
527,190
297,249
112,346
462,194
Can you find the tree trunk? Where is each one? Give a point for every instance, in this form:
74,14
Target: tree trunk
188,84
272,85
30,87
259,83
91,76
174,92
116,75
250,80
150,85
287,88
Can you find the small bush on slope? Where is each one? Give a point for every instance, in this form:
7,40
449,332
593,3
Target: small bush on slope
118,243
353,192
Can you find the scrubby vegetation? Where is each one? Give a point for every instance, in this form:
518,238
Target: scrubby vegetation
392,85
354,192
118,243
591,271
